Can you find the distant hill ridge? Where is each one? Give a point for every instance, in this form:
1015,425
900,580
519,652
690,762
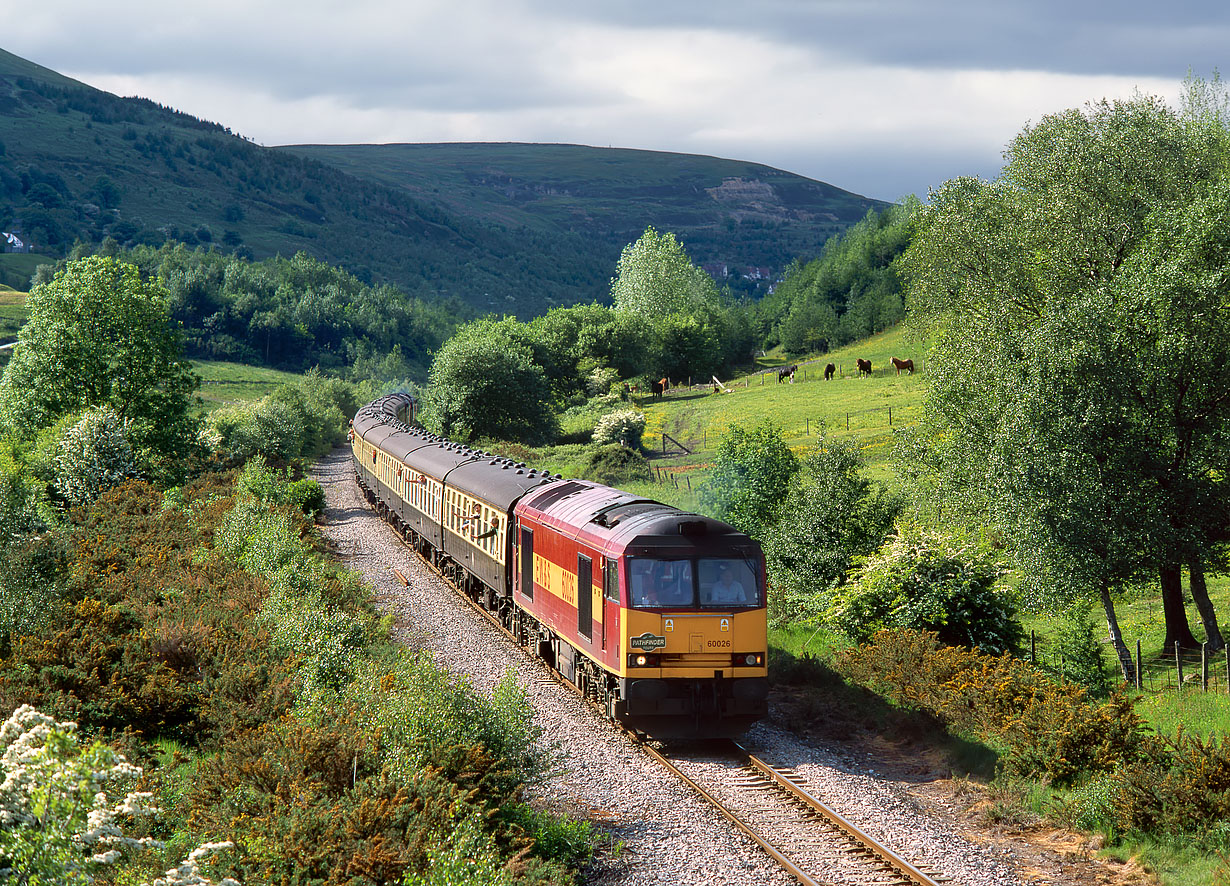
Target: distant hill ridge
515,228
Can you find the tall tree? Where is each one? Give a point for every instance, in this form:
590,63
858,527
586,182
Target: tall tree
1059,387
484,383
655,277
100,335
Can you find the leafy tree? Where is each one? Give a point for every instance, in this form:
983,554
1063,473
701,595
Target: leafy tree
99,335
1076,397
830,518
752,473
655,277
483,383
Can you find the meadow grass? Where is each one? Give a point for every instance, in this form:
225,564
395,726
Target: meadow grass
229,384
13,313
847,406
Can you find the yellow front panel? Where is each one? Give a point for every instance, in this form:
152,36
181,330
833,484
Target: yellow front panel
695,644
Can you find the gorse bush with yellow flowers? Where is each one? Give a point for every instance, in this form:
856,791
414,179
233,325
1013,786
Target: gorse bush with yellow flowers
1041,727
201,634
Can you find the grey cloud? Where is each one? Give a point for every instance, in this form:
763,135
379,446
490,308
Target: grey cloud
1110,38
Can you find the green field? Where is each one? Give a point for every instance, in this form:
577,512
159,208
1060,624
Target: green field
227,384
847,406
13,313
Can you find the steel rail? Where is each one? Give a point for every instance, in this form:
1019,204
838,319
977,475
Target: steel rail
896,862
772,851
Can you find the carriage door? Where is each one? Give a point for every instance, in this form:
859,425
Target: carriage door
527,562
585,596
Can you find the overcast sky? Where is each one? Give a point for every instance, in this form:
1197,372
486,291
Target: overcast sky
881,97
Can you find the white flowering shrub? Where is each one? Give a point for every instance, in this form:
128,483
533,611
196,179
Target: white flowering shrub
600,380
58,823
624,427
92,456
188,871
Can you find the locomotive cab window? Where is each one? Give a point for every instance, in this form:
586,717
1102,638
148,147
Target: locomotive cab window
727,582
662,584
707,582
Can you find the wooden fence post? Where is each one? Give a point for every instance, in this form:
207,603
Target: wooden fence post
1033,647
1138,664
1204,667
890,416
847,421
807,431
1178,664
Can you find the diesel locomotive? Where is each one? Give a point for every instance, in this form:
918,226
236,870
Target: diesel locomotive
656,614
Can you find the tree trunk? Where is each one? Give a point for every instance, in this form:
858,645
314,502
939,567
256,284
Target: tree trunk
1177,628
1200,594
1116,637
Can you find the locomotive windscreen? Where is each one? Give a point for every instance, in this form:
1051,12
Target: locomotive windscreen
705,582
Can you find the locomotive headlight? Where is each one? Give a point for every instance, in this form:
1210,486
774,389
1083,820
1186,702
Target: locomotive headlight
641,660
750,659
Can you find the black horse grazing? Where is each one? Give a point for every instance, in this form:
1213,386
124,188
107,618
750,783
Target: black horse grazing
864,366
786,372
828,372
903,364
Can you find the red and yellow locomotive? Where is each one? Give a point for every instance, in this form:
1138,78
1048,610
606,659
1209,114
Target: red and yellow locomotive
656,614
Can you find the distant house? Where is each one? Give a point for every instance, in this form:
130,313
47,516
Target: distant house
12,242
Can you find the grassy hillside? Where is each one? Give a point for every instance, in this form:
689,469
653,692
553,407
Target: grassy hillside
727,212
506,228
847,406
227,384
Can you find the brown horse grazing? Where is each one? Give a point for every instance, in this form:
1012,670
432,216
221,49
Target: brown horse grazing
864,366
828,372
903,364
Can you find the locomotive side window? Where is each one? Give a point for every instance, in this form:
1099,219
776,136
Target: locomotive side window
610,580
527,562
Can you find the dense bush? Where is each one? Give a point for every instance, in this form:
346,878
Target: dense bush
923,580
1042,728
304,419
1176,786
257,685
831,516
615,465
752,474
92,456
624,427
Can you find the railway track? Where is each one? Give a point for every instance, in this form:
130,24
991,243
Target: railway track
810,841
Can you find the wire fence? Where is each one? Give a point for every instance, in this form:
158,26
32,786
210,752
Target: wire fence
1174,670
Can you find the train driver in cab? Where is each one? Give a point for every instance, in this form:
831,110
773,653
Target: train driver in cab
662,584
727,588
